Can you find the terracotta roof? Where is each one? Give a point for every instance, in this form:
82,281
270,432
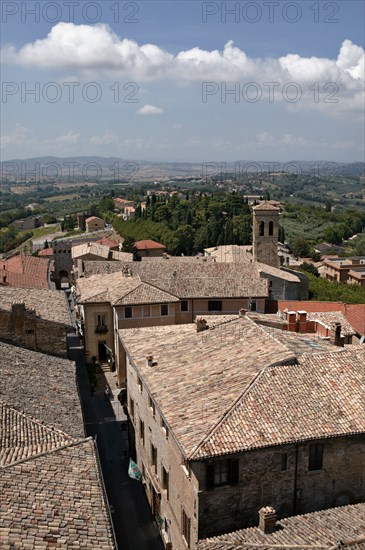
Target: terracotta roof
301,343
323,396
310,306
46,252
55,499
118,289
266,206
41,386
50,305
317,530
24,272
147,244
355,314
226,390
145,293
330,317
22,436
93,218
201,375
105,241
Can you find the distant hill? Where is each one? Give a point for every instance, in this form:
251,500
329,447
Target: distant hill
111,167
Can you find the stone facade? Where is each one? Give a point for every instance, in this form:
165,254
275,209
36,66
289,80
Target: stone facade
266,234
62,261
279,477
24,327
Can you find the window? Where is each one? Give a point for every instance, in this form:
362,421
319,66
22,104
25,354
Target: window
131,408
164,309
154,457
222,472
184,305
165,481
29,331
315,457
252,305
262,229
141,431
164,427
185,527
214,305
146,311
101,324
284,462
152,406
271,229
128,312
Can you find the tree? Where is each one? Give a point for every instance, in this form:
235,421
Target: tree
46,245
128,244
185,237
300,247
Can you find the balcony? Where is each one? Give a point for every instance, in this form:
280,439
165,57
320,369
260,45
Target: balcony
101,329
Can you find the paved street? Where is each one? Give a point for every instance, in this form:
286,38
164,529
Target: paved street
131,514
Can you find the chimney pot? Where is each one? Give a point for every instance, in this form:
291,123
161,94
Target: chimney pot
149,359
242,312
201,324
267,520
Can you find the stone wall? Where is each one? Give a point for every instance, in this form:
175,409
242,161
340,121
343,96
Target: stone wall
183,488
22,326
291,491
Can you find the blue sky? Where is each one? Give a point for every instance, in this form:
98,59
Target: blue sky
183,81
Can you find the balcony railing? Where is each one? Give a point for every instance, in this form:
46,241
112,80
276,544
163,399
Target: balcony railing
101,329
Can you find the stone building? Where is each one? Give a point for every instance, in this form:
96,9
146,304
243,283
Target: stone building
52,491
144,295
35,319
266,233
148,248
93,223
62,262
226,420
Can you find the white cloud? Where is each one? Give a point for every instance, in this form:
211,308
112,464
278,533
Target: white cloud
21,135
71,138
150,110
84,47
96,51
106,139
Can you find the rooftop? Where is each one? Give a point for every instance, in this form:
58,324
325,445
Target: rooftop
105,241
147,244
24,272
50,305
42,386
266,205
55,499
201,279
236,387
118,289
22,436
93,218
201,375
319,530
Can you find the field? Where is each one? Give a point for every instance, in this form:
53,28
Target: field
60,198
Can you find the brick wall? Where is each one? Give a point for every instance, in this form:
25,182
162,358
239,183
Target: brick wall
23,327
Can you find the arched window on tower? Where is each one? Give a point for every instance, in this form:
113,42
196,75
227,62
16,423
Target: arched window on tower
262,229
271,229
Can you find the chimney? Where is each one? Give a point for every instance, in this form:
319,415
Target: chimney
201,324
242,312
291,318
302,321
149,360
335,336
267,520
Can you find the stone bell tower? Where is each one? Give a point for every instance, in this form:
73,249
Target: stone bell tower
266,233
